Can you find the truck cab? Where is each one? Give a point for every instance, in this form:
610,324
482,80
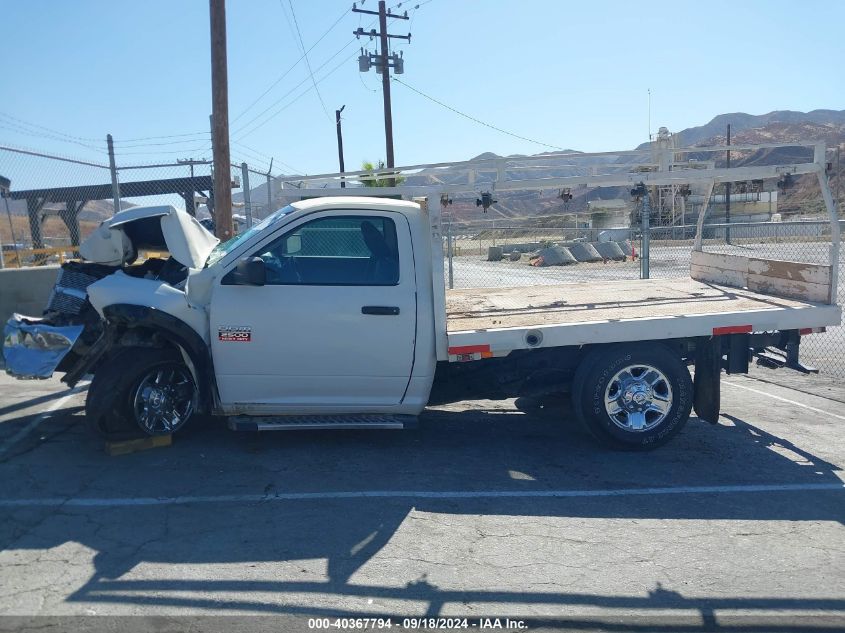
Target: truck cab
338,317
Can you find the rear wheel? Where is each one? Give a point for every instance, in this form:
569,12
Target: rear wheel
632,397
141,391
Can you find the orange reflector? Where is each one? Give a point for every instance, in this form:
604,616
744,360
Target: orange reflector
469,349
732,329
811,330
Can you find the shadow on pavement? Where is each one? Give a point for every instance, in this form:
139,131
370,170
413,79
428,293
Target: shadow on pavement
477,450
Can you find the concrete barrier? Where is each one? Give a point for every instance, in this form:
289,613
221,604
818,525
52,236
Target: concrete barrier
25,290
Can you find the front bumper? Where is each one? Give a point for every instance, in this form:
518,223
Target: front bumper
33,348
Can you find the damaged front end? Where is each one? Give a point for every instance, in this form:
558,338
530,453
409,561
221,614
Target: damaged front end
33,348
71,335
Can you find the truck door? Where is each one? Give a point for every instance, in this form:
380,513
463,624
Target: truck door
334,326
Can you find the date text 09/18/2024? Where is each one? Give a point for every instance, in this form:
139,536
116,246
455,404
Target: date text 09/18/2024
422,623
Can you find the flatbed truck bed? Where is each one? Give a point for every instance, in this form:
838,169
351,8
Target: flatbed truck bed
585,313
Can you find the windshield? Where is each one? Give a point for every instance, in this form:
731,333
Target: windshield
223,249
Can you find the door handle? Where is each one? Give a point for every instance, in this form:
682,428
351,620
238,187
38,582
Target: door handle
384,310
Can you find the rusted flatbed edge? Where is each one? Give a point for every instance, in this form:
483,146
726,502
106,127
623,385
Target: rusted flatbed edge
579,314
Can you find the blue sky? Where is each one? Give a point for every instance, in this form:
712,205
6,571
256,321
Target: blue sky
568,74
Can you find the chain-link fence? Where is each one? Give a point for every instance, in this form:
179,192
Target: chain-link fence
491,255
55,202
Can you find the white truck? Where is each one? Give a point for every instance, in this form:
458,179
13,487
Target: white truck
333,313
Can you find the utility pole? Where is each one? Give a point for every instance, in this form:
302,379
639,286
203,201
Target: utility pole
340,144
383,62
220,121
728,192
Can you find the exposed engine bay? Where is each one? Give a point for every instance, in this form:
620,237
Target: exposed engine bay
34,347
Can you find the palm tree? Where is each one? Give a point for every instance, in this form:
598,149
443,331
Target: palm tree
378,181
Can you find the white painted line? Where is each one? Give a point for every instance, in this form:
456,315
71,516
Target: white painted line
774,397
58,404
414,494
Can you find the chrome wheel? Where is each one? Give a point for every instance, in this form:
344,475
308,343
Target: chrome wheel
638,398
165,399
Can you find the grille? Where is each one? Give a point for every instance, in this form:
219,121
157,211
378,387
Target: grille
69,294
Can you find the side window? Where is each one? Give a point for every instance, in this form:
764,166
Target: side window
335,251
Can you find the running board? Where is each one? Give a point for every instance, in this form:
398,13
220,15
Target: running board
312,422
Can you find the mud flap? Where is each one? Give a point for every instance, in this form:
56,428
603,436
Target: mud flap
708,370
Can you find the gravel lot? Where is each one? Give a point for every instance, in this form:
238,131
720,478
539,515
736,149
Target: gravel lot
488,509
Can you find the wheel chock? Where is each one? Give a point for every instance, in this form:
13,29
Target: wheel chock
142,444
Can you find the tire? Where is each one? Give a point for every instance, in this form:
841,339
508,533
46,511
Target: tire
115,406
632,396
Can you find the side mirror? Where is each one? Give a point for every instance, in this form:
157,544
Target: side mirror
250,271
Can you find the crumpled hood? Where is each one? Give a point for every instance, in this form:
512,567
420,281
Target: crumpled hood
117,240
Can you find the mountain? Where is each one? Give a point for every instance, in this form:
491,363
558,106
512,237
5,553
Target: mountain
740,121
804,197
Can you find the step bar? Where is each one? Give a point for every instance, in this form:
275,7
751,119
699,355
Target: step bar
318,422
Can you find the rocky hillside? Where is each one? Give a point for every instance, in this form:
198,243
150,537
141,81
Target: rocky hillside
741,122
804,198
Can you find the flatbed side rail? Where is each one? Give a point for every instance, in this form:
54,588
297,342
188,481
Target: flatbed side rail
794,280
791,280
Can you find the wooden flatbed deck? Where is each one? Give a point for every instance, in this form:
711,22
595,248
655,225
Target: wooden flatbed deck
609,303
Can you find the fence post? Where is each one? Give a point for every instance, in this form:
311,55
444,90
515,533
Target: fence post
245,189
646,229
450,253
5,186
115,185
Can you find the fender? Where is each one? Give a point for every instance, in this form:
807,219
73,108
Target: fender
121,317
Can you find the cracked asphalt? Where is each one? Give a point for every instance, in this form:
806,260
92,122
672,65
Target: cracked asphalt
487,509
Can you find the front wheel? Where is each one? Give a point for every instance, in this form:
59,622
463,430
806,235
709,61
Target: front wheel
141,391
632,397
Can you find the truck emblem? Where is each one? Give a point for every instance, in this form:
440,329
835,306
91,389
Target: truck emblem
235,333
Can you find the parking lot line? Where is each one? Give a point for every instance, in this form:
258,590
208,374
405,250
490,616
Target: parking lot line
414,494
26,430
788,401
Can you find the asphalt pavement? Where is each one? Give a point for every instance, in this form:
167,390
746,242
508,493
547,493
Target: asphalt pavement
488,509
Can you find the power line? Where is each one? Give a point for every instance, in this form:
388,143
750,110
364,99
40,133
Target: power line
257,154
305,55
253,154
283,97
298,97
67,159
203,148
51,130
294,65
287,20
19,129
155,138
23,126
182,142
472,118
